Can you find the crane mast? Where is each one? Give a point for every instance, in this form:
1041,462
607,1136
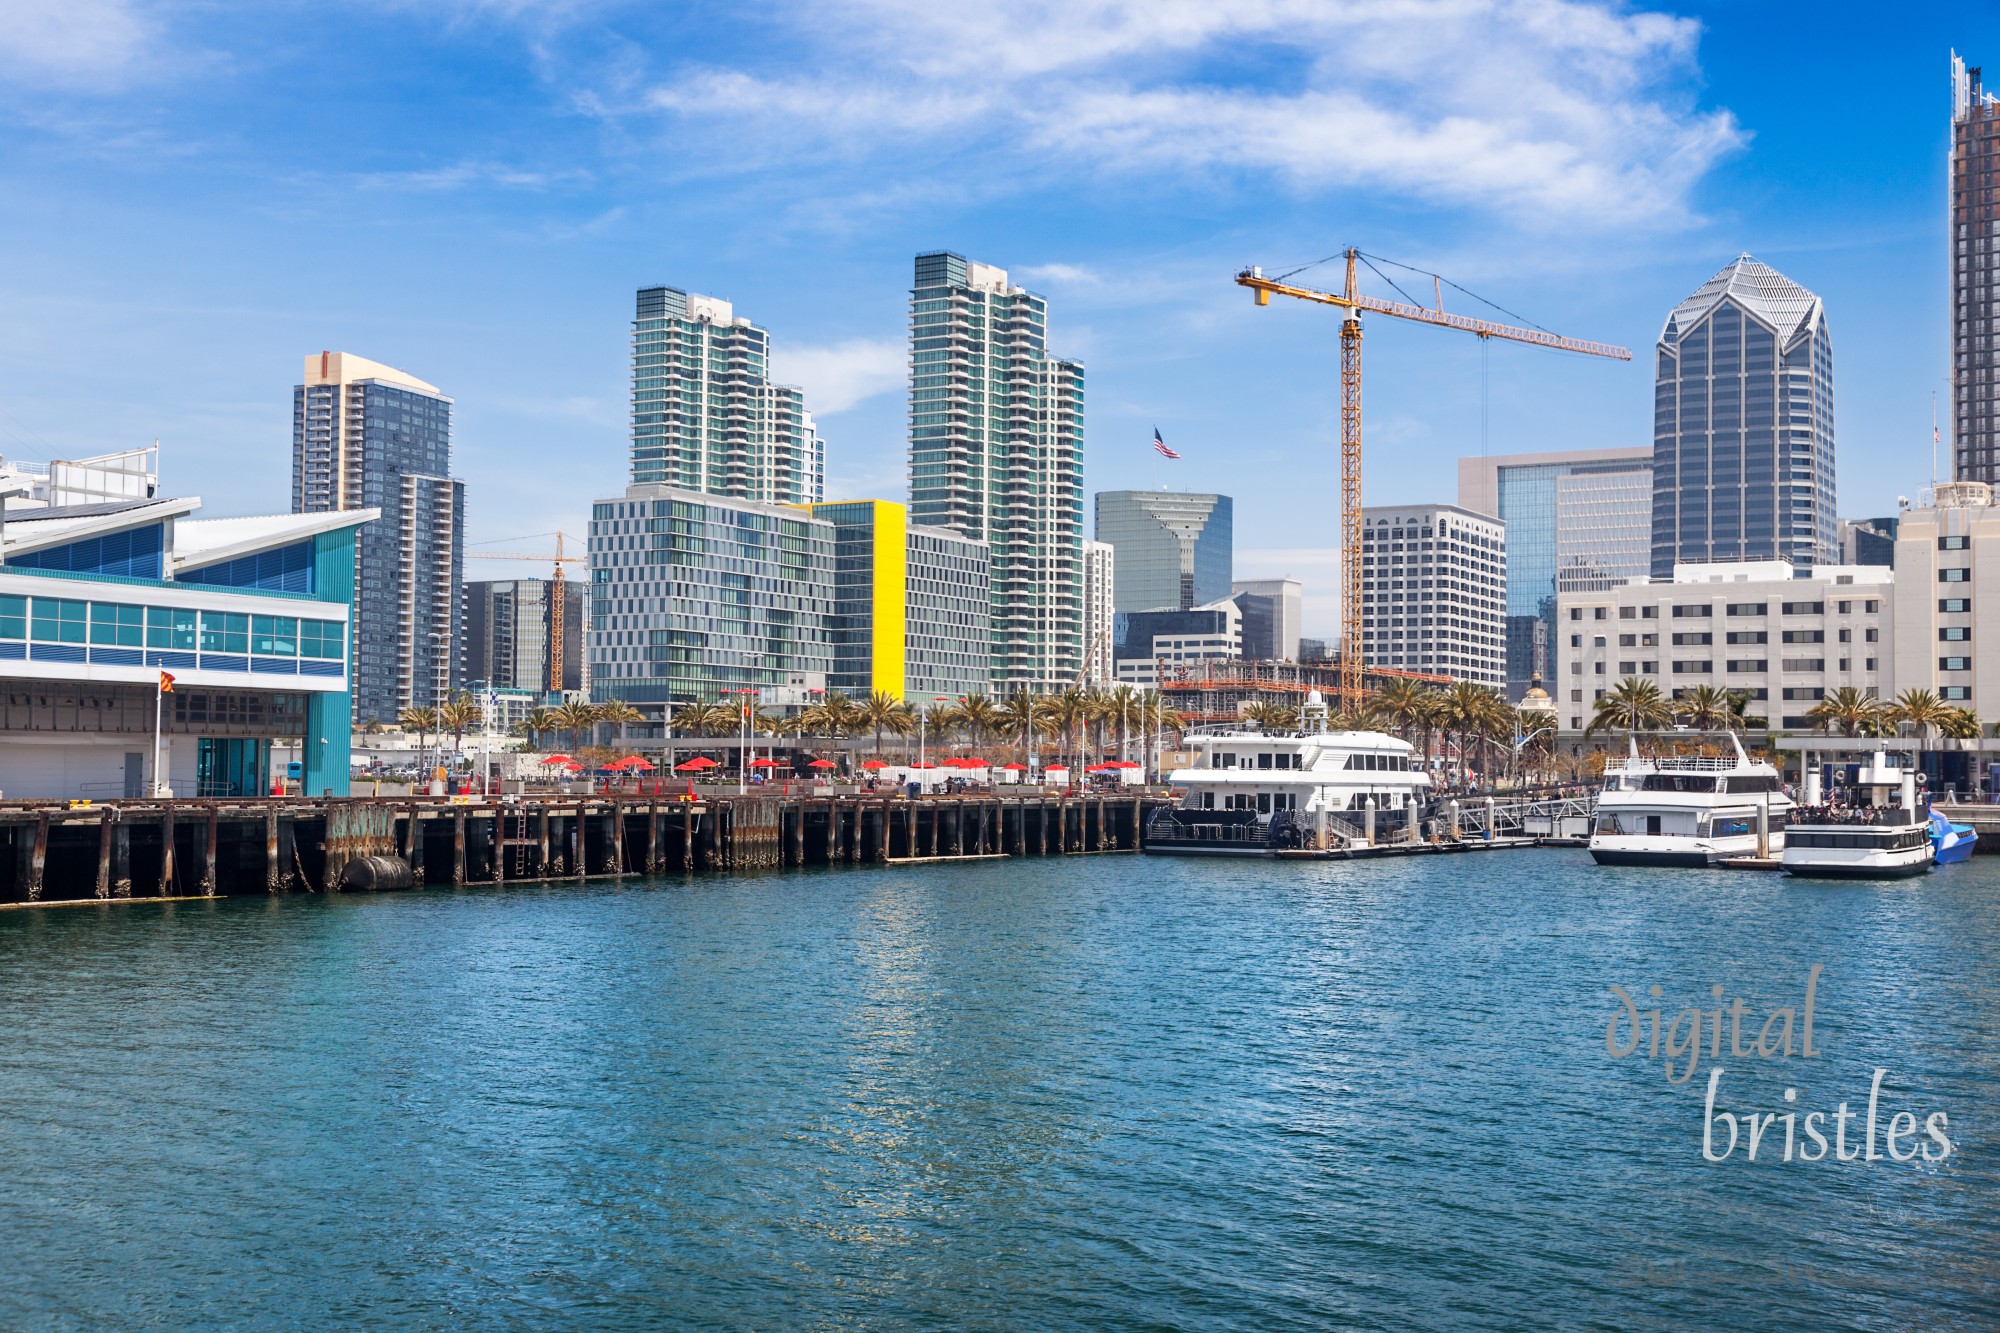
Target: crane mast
1351,300
558,600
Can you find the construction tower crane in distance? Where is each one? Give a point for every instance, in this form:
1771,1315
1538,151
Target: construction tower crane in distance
1354,303
558,598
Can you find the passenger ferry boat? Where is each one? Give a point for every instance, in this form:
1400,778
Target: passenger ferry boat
1257,793
1687,811
1880,829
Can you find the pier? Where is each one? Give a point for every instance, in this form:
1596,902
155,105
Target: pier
140,850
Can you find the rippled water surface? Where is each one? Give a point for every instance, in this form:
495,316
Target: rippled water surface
1108,1092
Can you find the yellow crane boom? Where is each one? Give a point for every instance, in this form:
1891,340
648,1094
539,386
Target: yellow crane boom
558,599
1351,300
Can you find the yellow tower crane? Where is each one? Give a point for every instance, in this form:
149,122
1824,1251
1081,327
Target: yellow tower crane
1354,303
558,598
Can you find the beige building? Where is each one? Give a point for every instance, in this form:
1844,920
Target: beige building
1947,579
1749,626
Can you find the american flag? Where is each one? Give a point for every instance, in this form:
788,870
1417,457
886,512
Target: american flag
1160,445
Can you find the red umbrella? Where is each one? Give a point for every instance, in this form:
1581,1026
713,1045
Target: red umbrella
763,763
699,761
637,764
1099,768
873,763
822,763
1123,763
558,759
1014,768
923,765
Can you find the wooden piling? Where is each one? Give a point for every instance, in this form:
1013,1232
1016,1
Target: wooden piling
457,846
38,857
210,843
104,819
166,851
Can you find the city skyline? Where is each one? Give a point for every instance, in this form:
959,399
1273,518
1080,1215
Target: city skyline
479,245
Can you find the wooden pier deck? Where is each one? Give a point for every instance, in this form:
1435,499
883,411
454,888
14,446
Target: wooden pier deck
137,850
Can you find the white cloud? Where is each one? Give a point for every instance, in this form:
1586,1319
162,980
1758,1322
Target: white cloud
839,375
72,41
1065,275
1567,111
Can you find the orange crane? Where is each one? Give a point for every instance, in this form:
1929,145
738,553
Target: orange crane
1354,303
558,598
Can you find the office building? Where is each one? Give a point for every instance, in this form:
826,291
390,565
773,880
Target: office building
1974,238
1273,610
248,615
705,414
1751,626
1942,551
508,641
996,455
1867,541
1434,592
1174,548
910,605
1100,604
1576,514
692,595
1149,646
366,436
1314,650
1743,424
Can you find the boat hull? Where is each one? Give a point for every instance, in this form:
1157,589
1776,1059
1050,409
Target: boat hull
1185,849
1859,870
1632,856
1957,850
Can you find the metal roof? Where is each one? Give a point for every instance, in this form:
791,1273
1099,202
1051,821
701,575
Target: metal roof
1758,288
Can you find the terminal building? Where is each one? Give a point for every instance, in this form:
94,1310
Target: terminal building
100,602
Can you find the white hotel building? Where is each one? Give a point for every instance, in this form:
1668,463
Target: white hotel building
1749,626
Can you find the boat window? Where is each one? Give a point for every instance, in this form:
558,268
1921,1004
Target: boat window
1225,760
1688,782
1264,761
1263,803
1751,782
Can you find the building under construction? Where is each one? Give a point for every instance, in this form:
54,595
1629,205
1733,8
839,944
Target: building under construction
1219,691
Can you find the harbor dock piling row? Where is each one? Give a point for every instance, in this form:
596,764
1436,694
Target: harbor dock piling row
191,848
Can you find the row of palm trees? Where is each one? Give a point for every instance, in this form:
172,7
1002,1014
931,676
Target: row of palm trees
1637,704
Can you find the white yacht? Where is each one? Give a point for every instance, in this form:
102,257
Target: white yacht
1687,811
1880,828
1257,793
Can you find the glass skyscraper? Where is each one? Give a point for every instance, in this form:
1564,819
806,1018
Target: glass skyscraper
1975,276
1551,505
1172,549
705,415
996,454
1743,424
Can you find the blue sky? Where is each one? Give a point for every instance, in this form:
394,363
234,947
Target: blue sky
194,197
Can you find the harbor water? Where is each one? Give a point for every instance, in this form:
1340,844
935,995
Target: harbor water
1107,1092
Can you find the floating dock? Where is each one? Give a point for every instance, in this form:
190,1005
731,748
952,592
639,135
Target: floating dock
145,850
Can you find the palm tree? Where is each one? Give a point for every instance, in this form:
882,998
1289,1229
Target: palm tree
457,716
619,713
1270,715
1960,724
423,721
883,711
1023,716
1706,708
537,724
1403,703
1920,709
573,718
1633,704
1854,711
1068,712
979,715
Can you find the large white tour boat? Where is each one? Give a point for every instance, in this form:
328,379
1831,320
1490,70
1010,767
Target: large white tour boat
1879,828
1688,810
1256,793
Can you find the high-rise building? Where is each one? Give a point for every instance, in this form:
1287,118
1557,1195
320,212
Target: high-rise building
1562,511
507,639
1100,604
1174,548
996,454
1434,591
1868,541
910,605
1743,424
1168,641
367,436
1975,276
705,415
1273,610
694,594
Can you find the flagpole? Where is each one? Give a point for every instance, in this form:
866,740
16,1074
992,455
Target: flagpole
159,714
